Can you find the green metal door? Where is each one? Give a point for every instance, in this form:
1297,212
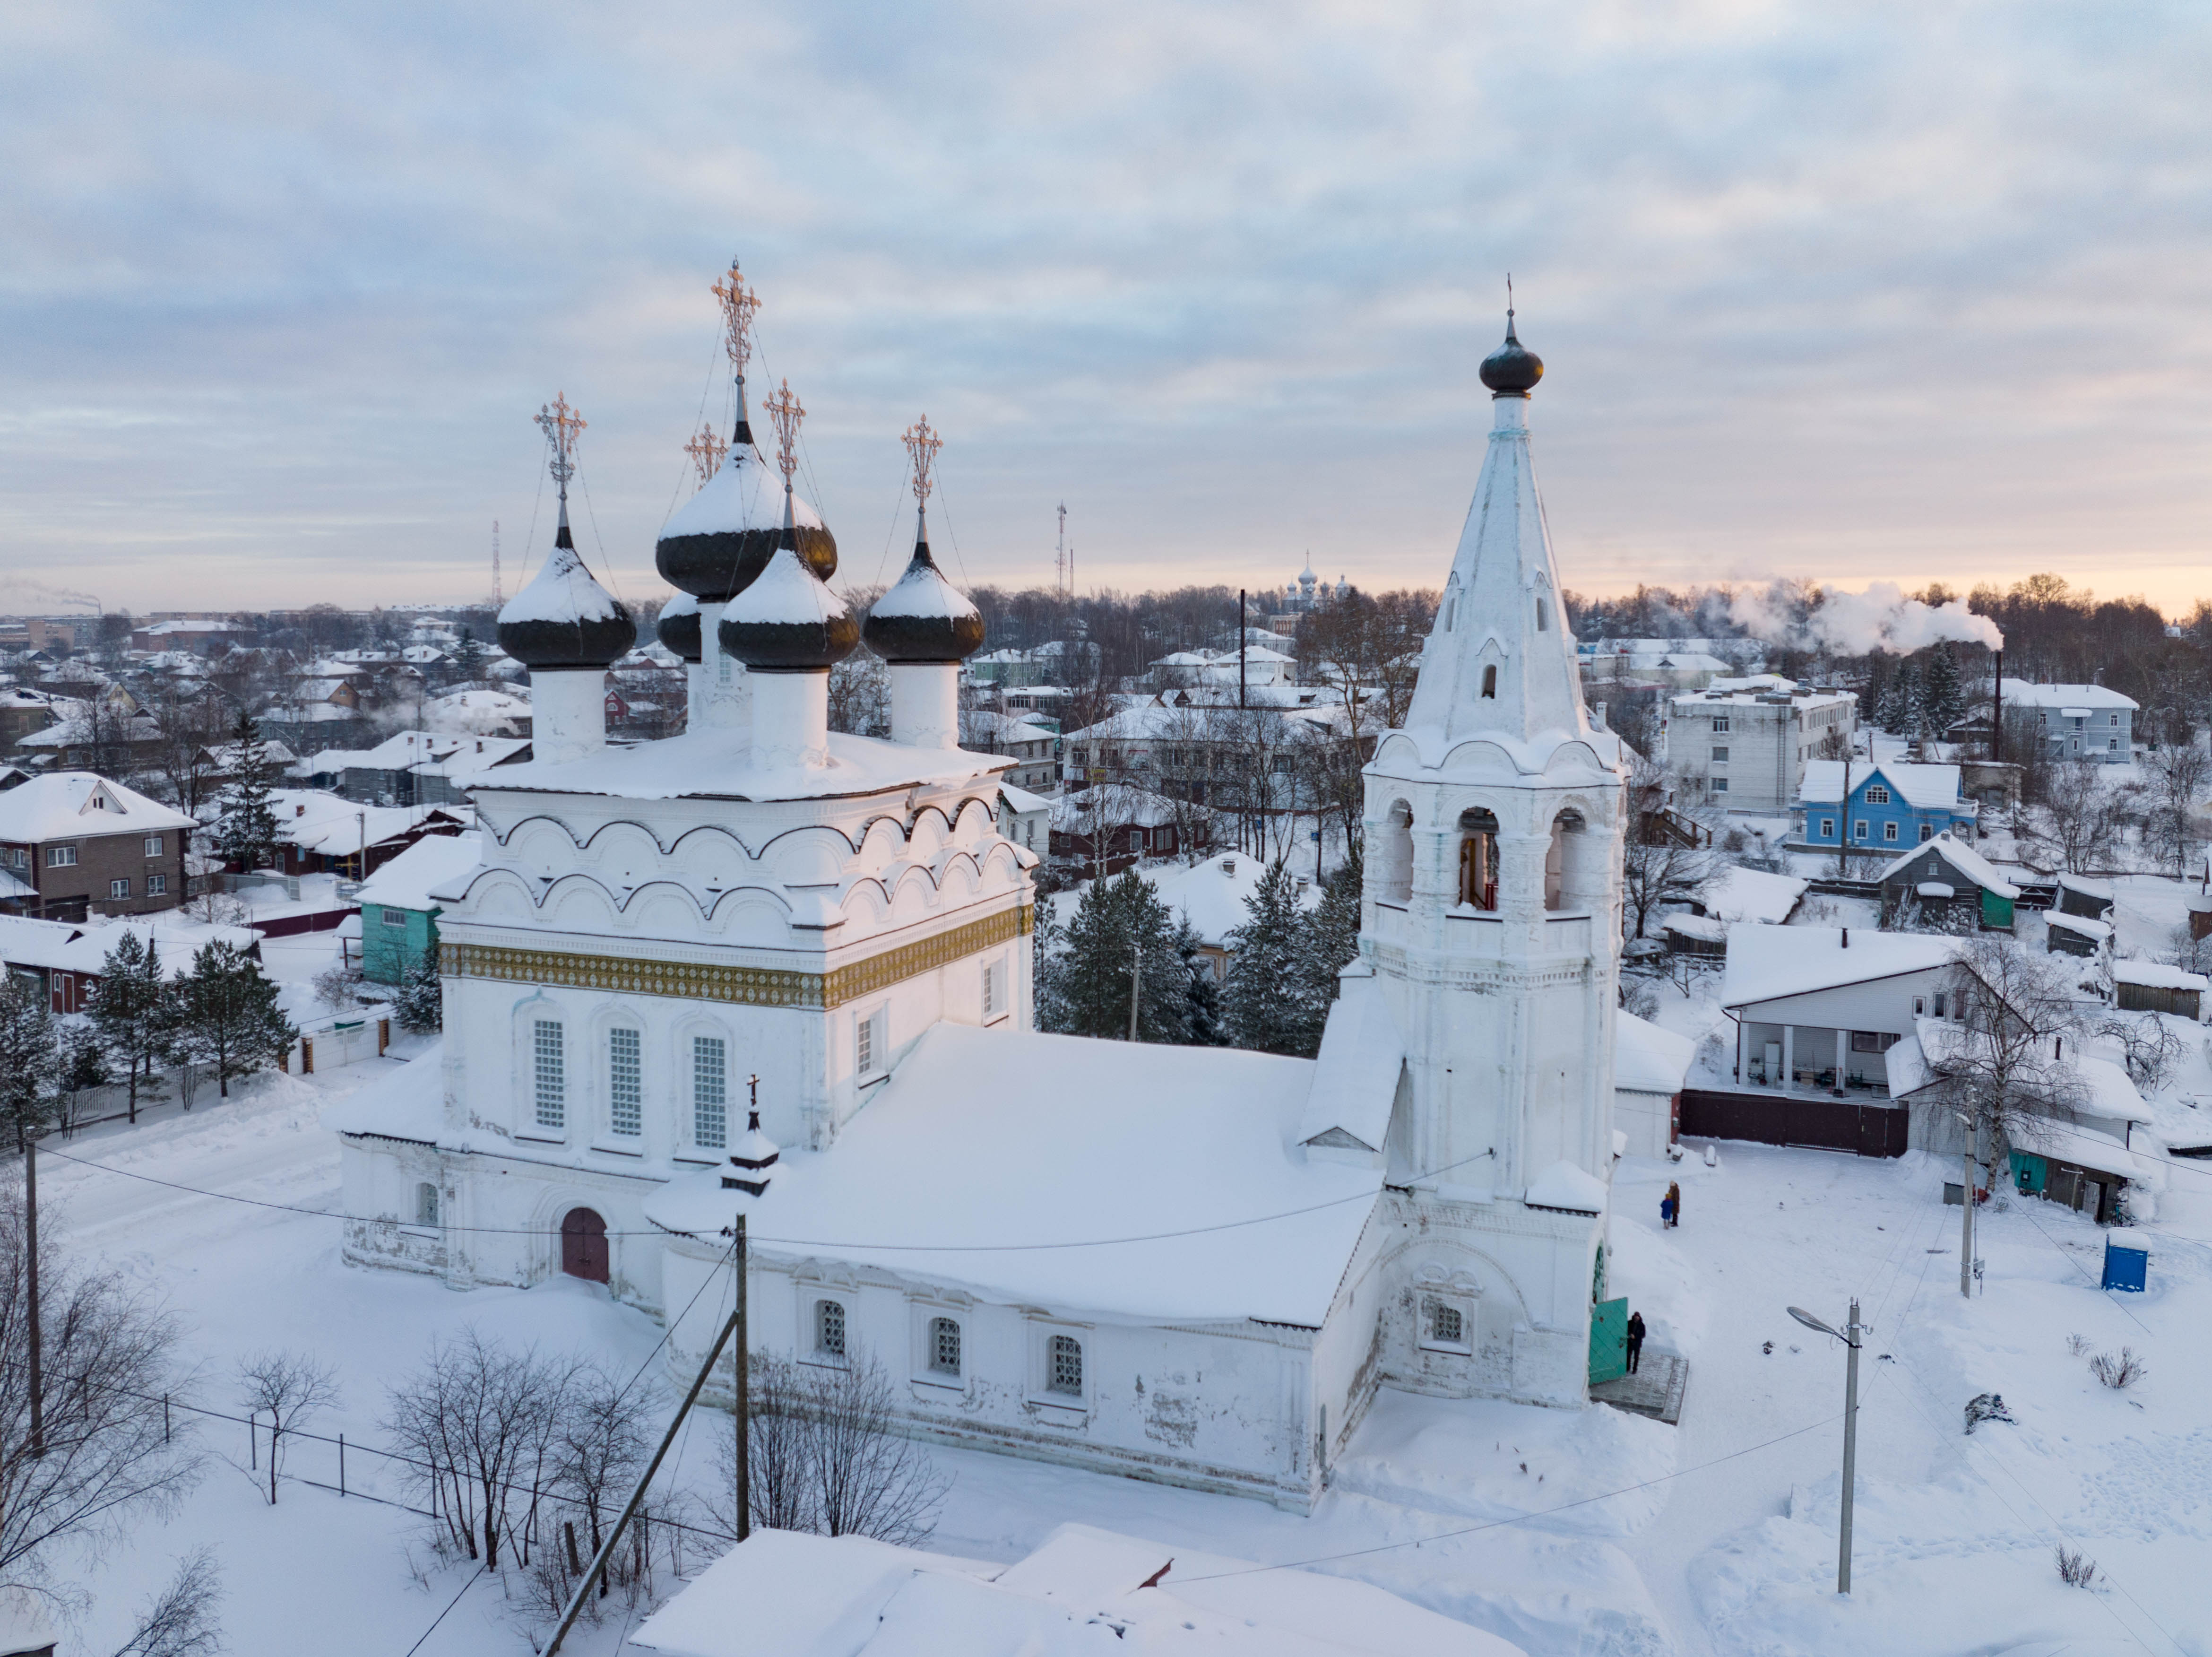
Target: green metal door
1996,912
1608,1357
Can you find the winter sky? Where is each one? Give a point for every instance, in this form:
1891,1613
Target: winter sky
1862,292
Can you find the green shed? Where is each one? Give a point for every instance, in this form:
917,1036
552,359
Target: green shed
398,914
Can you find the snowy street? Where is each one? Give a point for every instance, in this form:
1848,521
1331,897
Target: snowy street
1570,1533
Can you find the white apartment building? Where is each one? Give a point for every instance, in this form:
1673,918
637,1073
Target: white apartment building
1746,749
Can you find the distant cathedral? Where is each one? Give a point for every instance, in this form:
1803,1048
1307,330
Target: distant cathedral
1310,590
764,970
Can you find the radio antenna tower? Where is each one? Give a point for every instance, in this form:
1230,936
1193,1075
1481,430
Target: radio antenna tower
498,595
1060,557
707,450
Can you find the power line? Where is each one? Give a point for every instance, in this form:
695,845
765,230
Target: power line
793,1242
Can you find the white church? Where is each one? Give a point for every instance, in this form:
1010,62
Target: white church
1193,1265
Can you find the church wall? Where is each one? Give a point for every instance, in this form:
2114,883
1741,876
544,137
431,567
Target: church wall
1222,1407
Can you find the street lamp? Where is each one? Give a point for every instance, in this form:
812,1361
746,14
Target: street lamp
1850,1428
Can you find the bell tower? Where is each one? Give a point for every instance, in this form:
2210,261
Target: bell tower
1492,923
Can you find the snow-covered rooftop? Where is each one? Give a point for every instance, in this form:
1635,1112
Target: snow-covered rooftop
1766,963
1738,894
1021,799
332,826
407,881
67,804
82,946
2018,693
717,764
1931,788
1355,1081
2157,976
965,1168
1647,1059
1214,894
1959,855
1084,1593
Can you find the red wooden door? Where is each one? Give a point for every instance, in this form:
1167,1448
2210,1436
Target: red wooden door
584,1245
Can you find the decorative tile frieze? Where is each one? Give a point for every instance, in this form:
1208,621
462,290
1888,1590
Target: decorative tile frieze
749,986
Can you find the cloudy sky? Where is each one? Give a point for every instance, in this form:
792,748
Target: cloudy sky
1868,292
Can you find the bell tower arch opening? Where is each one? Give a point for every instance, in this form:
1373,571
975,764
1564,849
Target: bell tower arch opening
1478,859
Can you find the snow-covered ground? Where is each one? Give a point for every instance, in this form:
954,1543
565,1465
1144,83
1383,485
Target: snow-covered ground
1574,1532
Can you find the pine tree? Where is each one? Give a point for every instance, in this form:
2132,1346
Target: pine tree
29,1056
1086,991
468,655
80,1062
1270,1004
230,1014
247,831
1202,1022
420,1007
1334,925
1942,700
1900,702
129,1010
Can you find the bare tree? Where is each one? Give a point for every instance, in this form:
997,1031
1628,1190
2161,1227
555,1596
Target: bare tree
600,1446
111,1458
291,1389
2178,774
480,1421
827,1454
180,1622
188,730
2081,813
2148,1046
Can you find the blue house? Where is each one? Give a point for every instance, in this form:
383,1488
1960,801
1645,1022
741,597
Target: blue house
1887,806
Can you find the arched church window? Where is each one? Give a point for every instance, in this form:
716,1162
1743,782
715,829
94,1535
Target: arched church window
1394,854
1555,858
1490,679
1442,1324
1478,859
1543,611
710,1108
944,1346
829,1328
426,1204
548,1073
1063,1365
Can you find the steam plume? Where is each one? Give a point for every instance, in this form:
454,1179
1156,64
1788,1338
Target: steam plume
1852,624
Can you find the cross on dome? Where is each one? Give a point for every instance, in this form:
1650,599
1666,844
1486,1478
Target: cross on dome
921,446
707,450
739,304
563,426
786,412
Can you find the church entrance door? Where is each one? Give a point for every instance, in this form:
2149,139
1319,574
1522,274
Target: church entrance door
1608,1353
584,1245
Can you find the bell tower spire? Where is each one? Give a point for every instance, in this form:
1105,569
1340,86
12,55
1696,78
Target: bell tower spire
1499,660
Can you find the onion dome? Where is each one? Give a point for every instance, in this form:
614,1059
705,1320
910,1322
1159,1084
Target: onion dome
678,627
923,618
1511,370
785,620
723,537
563,619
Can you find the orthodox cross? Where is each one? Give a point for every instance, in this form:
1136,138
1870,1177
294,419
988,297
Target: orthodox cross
738,303
787,412
705,451
562,425
921,446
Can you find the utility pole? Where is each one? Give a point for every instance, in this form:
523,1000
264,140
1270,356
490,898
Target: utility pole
1843,817
743,1386
31,1241
1850,1335
1136,981
1967,1217
637,1496
1240,647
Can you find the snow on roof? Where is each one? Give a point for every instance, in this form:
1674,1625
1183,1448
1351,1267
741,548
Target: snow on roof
1021,800
1930,788
717,764
924,594
1214,894
1007,728
1977,869
408,881
964,1147
453,754
82,947
1084,1593
745,492
2080,925
12,889
562,590
1647,1059
1564,1186
1114,805
332,826
2153,975
789,594
2100,890
2090,1149
61,806
1766,963
1356,1077
1935,889
1737,895
2018,693
1709,927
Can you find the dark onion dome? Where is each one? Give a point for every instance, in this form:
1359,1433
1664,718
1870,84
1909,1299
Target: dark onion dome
923,618
562,620
785,621
1512,370
678,628
724,536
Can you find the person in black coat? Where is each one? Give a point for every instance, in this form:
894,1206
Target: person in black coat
1635,1340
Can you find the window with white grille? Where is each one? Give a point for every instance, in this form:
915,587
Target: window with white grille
394,917
1063,1365
625,1093
60,856
1442,1324
1719,724
829,1328
153,845
710,1093
119,888
550,1073
1877,795
868,1045
156,885
994,989
944,1346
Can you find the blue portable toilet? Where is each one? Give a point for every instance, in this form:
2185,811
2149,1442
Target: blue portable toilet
2127,1260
